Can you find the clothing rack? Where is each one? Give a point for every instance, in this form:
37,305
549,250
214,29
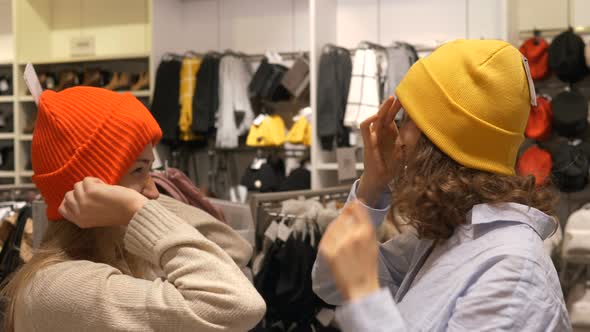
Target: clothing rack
250,57
16,192
552,32
263,201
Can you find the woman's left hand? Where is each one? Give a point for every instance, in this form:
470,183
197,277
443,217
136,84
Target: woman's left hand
350,248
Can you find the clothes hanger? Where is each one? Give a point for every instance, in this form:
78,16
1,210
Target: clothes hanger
191,53
368,44
537,35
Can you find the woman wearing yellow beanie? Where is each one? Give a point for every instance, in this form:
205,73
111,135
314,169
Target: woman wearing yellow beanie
117,256
475,261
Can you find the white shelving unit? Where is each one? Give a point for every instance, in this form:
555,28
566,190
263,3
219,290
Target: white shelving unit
119,30
143,30
7,67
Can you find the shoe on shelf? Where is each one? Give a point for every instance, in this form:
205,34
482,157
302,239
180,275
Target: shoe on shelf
93,77
124,82
47,80
5,86
67,79
142,82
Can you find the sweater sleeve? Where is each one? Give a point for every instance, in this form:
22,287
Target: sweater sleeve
203,290
214,230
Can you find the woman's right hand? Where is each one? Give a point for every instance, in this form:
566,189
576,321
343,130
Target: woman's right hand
381,145
93,203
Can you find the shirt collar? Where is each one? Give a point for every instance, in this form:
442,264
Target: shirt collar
542,223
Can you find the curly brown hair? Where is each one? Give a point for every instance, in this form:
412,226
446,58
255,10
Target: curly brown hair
434,193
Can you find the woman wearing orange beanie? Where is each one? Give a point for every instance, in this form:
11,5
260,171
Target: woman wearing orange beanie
111,236
475,261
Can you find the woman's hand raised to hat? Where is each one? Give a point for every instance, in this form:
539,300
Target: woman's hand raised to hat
93,203
381,145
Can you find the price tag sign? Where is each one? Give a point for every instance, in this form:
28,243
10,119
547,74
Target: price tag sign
346,163
272,231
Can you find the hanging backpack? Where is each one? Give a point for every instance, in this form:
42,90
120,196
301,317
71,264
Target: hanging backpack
540,120
174,183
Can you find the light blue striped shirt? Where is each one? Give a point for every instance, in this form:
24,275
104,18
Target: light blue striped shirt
491,275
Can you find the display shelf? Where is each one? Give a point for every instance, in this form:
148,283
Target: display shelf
26,137
6,136
88,59
7,174
334,166
6,63
26,173
139,93
20,186
6,99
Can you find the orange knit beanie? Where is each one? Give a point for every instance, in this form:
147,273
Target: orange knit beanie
85,131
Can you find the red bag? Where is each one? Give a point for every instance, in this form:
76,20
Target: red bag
539,125
537,162
174,183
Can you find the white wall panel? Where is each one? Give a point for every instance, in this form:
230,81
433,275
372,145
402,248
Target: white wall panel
580,12
422,21
254,26
6,41
485,18
542,14
357,20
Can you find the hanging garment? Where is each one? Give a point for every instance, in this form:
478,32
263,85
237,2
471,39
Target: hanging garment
296,79
400,58
300,133
270,132
176,184
364,95
206,96
284,280
298,179
165,107
266,177
234,77
333,84
266,83
188,81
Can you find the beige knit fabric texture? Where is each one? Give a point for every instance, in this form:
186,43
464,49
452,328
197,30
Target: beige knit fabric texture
203,289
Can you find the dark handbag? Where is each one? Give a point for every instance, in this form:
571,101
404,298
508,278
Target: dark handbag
10,254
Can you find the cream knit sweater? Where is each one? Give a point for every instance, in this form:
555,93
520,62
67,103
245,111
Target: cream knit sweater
203,289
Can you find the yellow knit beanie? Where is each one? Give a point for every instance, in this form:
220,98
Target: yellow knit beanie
471,99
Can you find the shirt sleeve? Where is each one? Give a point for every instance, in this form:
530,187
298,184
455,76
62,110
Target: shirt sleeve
323,283
376,213
510,294
376,313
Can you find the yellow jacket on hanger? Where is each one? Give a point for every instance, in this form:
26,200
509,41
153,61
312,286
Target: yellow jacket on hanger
270,132
300,133
188,81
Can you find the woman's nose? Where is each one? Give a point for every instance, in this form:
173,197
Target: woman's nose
150,190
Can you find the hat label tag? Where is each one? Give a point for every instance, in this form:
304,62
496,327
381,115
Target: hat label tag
32,82
532,92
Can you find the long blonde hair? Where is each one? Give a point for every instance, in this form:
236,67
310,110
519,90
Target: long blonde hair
64,242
